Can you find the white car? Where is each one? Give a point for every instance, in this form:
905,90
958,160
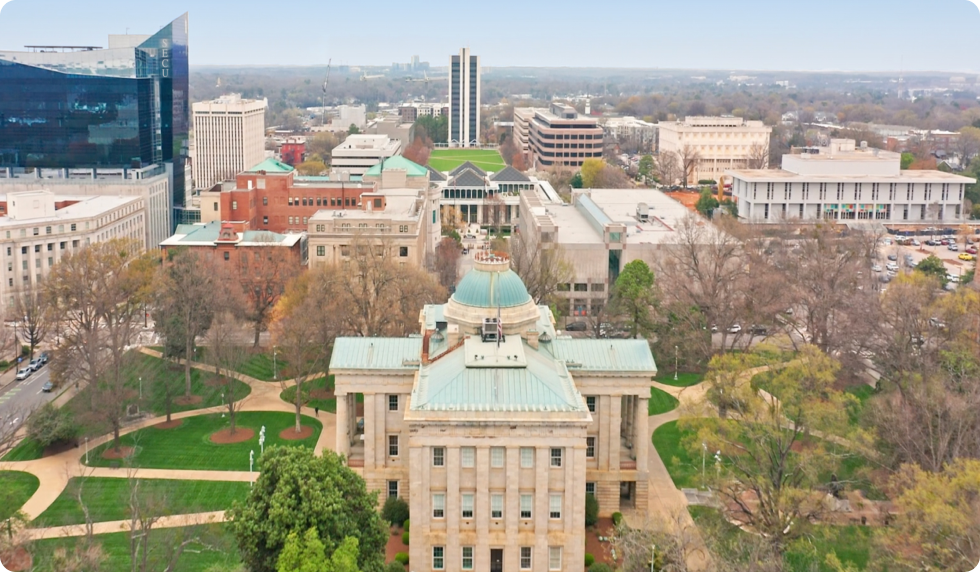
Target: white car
735,329
24,374
892,267
876,268
953,278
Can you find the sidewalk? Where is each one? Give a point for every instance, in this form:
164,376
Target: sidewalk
175,521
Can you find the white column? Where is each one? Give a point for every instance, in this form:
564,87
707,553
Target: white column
343,426
370,431
512,506
615,420
482,507
381,445
453,507
542,468
641,443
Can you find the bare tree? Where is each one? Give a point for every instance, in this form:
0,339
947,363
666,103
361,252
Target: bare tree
98,293
690,158
184,297
758,156
263,280
12,418
447,262
542,266
493,213
32,315
667,168
227,353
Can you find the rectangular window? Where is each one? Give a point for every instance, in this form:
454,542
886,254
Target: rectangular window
525,557
47,230
265,220
556,457
496,505
598,287
439,505
590,447
554,506
554,558
234,205
466,505
265,201
581,287
321,250
527,501
392,399
403,251
392,489
497,457
467,558
392,445
227,255
527,458
468,456
438,557
403,228
590,489
438,456
590,401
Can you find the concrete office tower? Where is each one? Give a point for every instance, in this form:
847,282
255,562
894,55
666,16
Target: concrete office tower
464,99
229,137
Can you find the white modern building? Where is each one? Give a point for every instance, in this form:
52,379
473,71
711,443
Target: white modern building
229,137
150,183
358,153
848,182
718,144
38,227
629,129
464,99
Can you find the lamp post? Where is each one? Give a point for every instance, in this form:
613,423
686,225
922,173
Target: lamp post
86,450
141,388
275,369
675,363
251,461
704,452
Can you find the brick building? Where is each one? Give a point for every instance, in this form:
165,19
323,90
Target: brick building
293,151
232,244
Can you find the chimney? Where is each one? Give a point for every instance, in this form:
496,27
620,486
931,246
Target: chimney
452,335
425,347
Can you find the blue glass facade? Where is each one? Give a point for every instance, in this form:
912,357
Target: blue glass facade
118,107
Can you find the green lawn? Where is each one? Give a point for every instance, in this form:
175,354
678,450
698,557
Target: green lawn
330,405
27,450
157,373
217,551
667,440
15,489
683,379
189,446
852,544
445,160
107,498
661,401
259,364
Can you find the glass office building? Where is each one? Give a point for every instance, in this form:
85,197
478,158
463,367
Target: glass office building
84,106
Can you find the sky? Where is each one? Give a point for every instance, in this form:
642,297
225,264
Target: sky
811,35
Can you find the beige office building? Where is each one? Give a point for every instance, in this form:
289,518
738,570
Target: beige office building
38,228
391,220
559,136
495,428
719,143
229,137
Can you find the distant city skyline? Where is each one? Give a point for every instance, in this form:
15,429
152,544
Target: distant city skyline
834,35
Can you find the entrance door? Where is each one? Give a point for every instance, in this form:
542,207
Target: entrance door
496,560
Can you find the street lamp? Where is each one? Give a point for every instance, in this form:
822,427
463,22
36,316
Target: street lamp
251,461
86,450
704,451
141,388
675,363
275,369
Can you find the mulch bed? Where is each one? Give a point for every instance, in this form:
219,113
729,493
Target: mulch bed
120,453
172,424
19,560
59,448
185,400
395,544
290,434
602,551
225,436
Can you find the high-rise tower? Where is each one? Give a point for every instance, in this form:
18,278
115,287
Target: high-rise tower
464,99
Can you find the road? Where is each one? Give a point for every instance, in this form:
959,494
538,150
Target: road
21,397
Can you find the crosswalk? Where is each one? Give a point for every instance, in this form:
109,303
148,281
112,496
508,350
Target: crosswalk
10,394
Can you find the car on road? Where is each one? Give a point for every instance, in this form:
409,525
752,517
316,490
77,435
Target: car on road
24,374
952,279
734,329
44,358
971,250
876,268
915,242
575,327
757,330
36,364
47,387
966,256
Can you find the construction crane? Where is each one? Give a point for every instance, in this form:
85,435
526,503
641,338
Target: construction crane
323,97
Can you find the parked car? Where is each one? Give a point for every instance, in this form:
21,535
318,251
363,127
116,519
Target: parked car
892,257
952,279
953,247
966,256
575,327
47,387
757,330
911,263
892,266
915,242
734,329
35,364
44,357
971,250
936,323
876,268
24,374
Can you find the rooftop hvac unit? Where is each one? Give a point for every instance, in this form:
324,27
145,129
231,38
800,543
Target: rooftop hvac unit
642,212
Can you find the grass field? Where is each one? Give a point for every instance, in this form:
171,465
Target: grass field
259,365
448,159
661,401
108,499
330,405
27,450
852,544
217,551
189,446
156,371
683,379
15,489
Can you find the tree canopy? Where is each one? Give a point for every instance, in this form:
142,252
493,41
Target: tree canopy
297,491
633,296
307,554
932,265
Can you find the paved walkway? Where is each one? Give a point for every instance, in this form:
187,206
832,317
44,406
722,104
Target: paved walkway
55,471
175,521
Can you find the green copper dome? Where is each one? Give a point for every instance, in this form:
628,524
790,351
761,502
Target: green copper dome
490,289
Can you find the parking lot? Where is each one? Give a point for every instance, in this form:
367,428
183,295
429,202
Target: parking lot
954,266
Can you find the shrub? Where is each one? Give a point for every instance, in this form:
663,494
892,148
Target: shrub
4,364
589,560
601,567
25,350
395,511
405,538
617,517
51,424
591,510
406,524
401,558
394,567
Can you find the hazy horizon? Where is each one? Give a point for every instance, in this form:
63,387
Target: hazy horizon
835,36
